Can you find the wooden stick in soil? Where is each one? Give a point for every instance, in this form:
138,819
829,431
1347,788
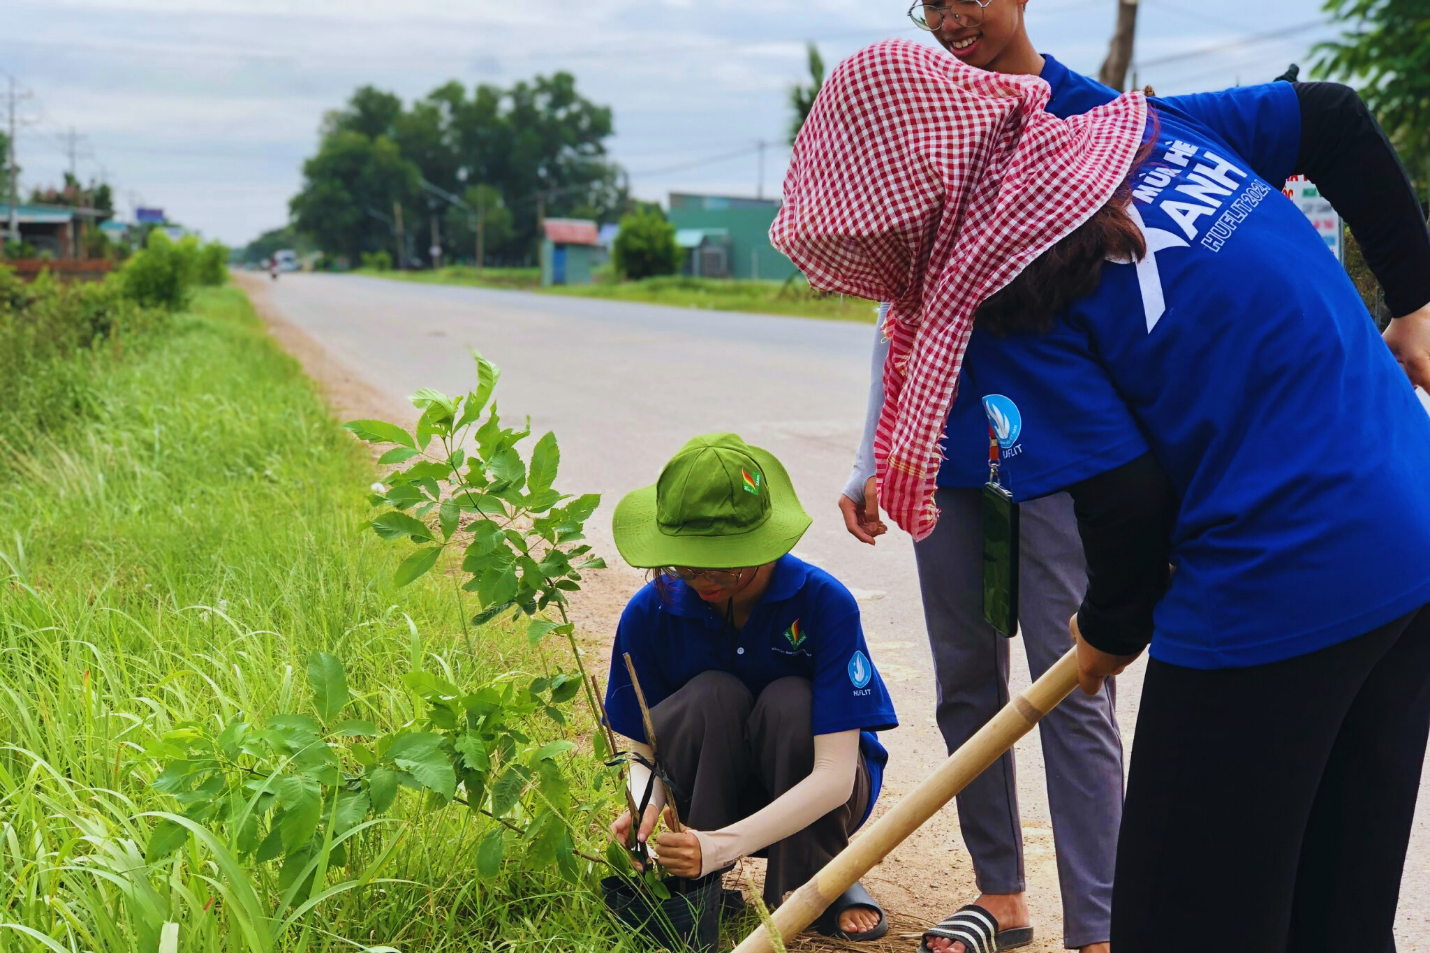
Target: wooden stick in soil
915,808
677,827
631,804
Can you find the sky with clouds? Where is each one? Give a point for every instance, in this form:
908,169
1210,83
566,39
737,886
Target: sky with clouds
207,108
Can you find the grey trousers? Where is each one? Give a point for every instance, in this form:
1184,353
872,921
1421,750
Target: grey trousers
1082,745
731,754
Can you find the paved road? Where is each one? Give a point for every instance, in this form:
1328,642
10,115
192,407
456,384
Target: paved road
623,386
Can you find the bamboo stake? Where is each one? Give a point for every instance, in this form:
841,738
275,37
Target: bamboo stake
631,804
677,827
1016,719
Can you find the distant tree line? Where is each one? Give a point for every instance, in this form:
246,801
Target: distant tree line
508,155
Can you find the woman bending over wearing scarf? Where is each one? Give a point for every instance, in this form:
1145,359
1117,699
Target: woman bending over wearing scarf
1156,330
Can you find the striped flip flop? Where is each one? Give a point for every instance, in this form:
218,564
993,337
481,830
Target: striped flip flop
977,930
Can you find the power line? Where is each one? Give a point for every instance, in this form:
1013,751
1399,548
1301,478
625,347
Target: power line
1220,48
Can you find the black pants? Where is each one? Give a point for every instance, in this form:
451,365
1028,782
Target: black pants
1269,808
732,754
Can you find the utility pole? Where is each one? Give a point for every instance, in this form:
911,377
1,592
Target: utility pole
401,237
760,189
13,100
70,141
1120,52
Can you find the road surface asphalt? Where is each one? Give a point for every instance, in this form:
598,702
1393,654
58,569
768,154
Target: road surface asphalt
624,386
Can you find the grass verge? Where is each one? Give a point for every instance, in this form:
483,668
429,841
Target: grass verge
758,297
172,558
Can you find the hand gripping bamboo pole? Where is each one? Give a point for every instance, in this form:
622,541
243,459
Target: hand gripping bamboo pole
1015,720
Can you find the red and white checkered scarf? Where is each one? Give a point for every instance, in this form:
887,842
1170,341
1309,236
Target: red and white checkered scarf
929,184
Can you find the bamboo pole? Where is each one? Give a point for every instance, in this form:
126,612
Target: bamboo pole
1016,719
677,827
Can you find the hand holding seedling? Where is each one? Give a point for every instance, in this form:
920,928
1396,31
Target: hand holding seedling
678,852
1408,338
621,826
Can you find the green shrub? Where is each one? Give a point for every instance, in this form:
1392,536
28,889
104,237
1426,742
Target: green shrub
377,260
164,274
212,264
45,328
645,246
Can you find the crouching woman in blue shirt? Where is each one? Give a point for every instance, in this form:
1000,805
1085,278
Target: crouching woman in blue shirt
1201,375
763,696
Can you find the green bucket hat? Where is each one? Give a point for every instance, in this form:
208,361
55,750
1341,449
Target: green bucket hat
719,504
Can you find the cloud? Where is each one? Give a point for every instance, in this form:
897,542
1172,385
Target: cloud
209,106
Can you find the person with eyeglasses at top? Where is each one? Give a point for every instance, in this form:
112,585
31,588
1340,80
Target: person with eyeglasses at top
1081,742
762,692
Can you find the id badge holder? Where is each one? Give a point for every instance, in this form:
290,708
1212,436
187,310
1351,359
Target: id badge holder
1000,549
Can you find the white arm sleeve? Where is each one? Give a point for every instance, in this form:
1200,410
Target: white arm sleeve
836,758
639,776
864,459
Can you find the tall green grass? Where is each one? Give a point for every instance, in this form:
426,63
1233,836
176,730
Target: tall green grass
174,557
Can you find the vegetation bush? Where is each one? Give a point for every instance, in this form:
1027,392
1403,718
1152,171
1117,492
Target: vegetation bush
179,578
47,328
163,275
377,260
645,247
212,266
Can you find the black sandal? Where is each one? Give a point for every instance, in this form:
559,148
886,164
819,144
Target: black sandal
855,896
977,930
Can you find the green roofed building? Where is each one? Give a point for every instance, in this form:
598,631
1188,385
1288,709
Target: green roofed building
727,237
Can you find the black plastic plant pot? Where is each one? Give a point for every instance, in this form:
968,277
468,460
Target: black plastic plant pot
689,920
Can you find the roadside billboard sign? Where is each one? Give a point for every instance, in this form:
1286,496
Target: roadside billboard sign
1318,210
149,216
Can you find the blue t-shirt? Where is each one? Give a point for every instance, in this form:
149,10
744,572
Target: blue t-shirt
1299,450
806,624
966,433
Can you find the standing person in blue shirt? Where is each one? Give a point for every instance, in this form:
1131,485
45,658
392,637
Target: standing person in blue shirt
763,696
1081,741
1183,357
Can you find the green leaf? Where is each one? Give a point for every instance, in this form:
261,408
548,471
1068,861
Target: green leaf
473,751
450,516
487,376
619,858
379,431
507,791
272,846
497,586
167,838
427,399
417,565
302,803
397,455
489,852
352,808
381,788
565,692
487,615
566,860
545,458
329,683
538,630
357,728
507,467
405,497
421,755
552,751
395,525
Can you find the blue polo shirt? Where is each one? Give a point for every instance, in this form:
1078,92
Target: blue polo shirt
966,433
806,624
1247,362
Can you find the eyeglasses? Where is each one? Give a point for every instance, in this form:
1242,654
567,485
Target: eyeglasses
930,16
724,578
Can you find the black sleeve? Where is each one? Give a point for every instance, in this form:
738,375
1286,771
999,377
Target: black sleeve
1125,518
1349,158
